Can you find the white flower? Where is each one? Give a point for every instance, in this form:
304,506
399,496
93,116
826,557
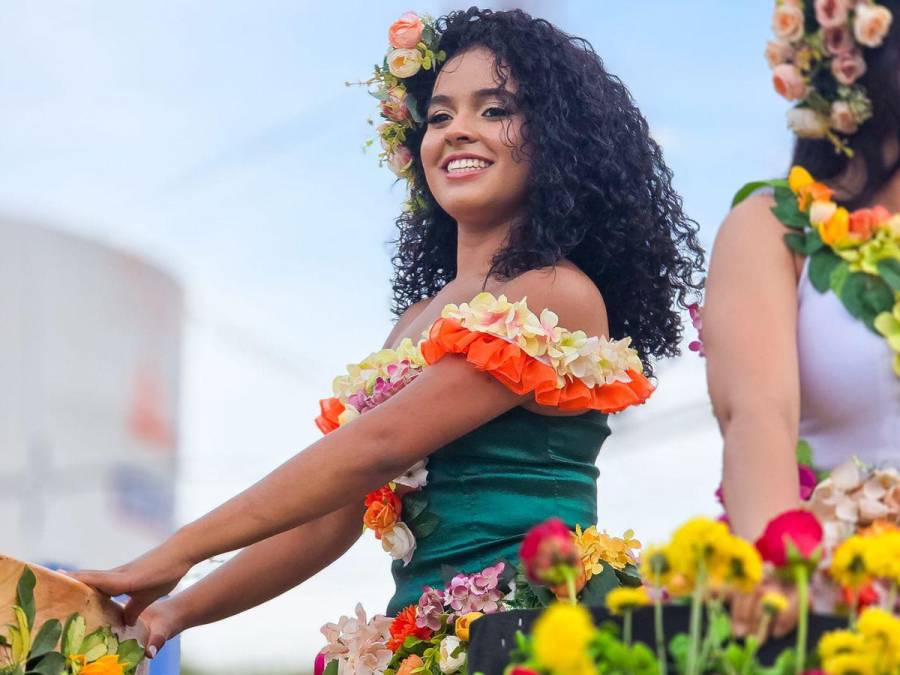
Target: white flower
807,123
404,62
787,22
847,476
871,24
360,646
821,212
399,542
446,661
415,476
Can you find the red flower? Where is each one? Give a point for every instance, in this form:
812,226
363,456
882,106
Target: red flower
867,595
798,527
386,496
547,551
403,626
519,670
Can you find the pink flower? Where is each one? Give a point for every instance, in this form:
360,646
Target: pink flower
847,68
807,479
319,664
787,22
476,593
697,320
832,13
788,81
406,31
548,551
778,52
430,609
842,118
838,40
800,528
399,161
394,106
359,645
871,24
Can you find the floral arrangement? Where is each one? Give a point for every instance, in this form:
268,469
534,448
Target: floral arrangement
817,59
524,351
432,636
856,255
413,47
706,563
61,648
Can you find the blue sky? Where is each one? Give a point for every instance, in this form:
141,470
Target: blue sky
218,140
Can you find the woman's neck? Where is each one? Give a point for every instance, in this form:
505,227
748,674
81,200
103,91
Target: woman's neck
476,248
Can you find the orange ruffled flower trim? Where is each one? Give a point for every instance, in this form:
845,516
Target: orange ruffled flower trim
331,408
522,373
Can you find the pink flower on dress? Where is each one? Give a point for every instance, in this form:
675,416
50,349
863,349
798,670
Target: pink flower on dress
477,592
847,68
831,13
359,645
696,312
838,40
430,609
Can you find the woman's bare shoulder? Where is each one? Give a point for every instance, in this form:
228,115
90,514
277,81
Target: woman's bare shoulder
405,319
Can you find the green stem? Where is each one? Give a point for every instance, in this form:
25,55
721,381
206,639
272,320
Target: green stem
712,611
892,597
801,574
626,627
696,606
570,585
854,609
661,655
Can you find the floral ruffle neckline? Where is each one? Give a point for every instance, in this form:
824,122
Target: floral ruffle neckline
856,255
526,352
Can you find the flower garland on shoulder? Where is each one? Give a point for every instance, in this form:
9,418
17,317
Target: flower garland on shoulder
855,255
817,58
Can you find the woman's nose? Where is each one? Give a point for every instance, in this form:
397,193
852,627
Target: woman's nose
459,130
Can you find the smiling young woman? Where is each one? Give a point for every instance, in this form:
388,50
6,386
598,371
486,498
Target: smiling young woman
532,175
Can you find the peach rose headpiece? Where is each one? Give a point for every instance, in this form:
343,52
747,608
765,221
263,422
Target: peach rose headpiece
817,58
413,47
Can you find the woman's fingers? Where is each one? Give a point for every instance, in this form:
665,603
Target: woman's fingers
742,611
111,583
786,621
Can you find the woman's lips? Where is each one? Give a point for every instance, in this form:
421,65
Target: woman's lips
466,173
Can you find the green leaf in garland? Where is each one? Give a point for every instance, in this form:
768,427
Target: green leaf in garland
787,212
877,297
331,668
46,638
821,266
796,242
750,188
839,277
424,525
813,242
53,663
889,270
414,504
25,594
130,652
851,293
73,634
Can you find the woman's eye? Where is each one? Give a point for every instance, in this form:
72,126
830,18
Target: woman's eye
438,117
496,111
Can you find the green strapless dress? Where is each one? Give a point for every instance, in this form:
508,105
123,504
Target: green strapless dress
489,487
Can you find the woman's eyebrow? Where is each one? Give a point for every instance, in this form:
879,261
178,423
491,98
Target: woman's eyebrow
480,94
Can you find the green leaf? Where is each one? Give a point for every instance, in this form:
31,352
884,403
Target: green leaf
73,634
94,645
331,668
25,595
752,187
796,242
53,663
851,293
822,264
678,648
414,504
890,271
839,276
130,652
424,525
787,212
46,638
804,453
21,635
877,297
595,590
813,242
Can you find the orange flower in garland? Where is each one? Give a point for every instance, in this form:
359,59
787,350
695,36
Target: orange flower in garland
108,665
383,508
403,626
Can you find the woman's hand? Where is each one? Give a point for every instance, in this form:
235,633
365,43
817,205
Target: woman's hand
749,616
164,622
144,579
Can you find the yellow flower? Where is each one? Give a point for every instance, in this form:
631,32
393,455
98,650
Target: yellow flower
598,547
107,665
694,544
848,566
840,642
774,602
464,622
622,598
656,569
799,178
849,664
881,631
737,564
834,231
883,555
560,638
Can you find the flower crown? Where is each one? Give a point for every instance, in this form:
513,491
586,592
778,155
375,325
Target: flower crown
816,60
413,47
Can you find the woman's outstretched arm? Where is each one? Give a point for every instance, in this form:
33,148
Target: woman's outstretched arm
750,339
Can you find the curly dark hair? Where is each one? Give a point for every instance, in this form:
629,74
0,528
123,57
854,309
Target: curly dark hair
599,191
861,176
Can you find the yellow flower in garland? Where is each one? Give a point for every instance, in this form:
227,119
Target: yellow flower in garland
840,642
561,637
888,324
849,664
107,665
881,632
806,189
835,231
883,555
623,598
848,566
464,623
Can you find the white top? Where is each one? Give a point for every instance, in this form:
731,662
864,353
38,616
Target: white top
849,394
